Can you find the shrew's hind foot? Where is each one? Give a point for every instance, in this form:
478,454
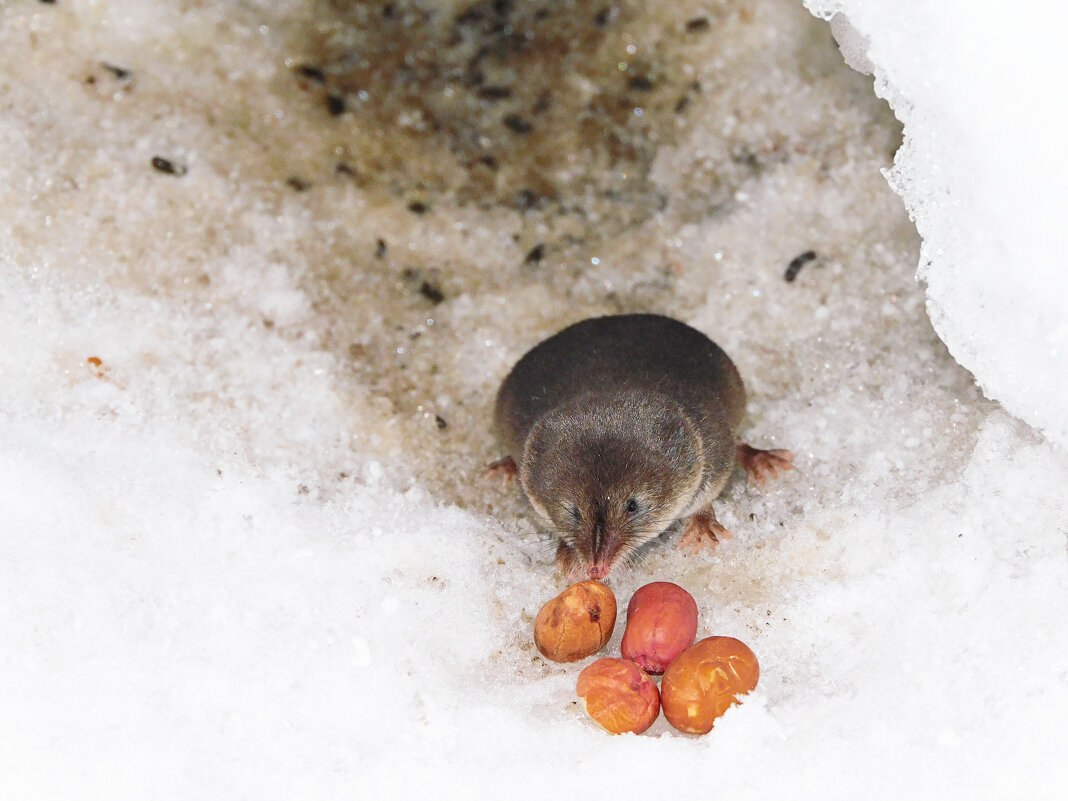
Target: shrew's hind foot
703,530
761,465
504,469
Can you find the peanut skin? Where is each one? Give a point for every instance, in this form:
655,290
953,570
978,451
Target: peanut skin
661,624
705,680
619,695
576,623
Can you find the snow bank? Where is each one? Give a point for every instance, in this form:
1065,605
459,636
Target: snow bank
982,171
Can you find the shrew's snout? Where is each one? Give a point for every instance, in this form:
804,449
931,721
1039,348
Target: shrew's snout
605,546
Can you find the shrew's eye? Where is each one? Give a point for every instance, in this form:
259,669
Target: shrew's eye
632,506
576,515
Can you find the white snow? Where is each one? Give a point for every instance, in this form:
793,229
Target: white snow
982,171
239,558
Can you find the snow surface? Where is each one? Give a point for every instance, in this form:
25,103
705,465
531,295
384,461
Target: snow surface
982,171
242,557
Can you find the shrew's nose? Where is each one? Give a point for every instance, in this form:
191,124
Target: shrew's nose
598,571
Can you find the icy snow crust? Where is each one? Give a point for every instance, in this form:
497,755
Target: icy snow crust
982,171
245,551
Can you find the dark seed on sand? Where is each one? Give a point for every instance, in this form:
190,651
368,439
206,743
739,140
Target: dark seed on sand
169,167
795,266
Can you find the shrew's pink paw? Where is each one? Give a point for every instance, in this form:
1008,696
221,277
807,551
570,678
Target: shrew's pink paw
567,562
505,469
761,465
703,531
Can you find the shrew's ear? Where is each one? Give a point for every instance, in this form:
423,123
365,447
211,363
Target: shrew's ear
537,471
539,442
